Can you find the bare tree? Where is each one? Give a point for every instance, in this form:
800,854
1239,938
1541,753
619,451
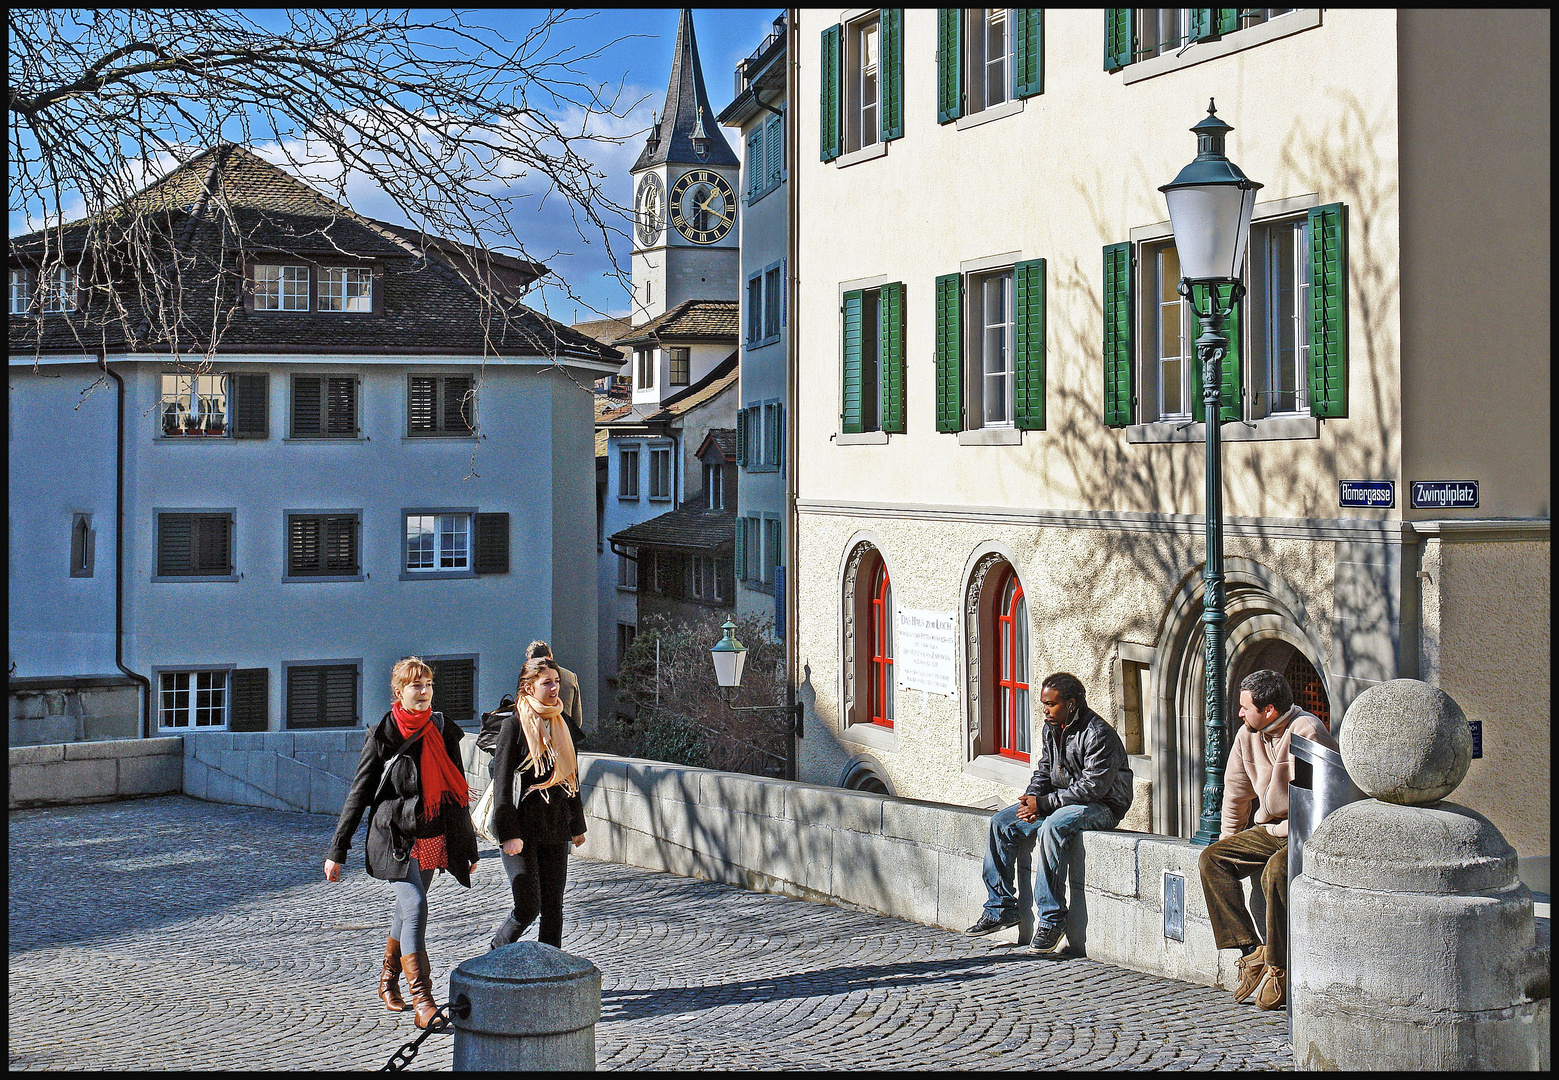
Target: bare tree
444,116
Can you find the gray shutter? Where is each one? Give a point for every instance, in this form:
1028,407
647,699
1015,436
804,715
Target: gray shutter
459,402
342,420
303,546
251,411
340,545
741,549
741,437
308,412
454,689
250,706
776,156
340,695
213,545
175,534
492,543
422,404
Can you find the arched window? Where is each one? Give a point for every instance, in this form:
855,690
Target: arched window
1011,670
879,645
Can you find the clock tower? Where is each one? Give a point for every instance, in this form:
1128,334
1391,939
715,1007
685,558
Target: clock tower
684,196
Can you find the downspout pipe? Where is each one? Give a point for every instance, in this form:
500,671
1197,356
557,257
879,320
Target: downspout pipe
792,160
119,549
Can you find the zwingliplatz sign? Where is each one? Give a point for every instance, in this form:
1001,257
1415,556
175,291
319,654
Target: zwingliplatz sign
1444,494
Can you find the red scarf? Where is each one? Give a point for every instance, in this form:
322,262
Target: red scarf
442,780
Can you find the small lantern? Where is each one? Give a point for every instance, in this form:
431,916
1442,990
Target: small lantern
729,655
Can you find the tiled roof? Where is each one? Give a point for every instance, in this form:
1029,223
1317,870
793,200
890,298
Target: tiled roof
687,527
708,320
425,306
672,138
720,379
724,438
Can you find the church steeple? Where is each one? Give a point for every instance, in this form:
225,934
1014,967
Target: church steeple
687,102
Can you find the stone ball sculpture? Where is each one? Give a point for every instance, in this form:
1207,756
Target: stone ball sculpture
1406,742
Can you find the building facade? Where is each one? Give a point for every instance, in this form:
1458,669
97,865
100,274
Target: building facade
256,530
1001,474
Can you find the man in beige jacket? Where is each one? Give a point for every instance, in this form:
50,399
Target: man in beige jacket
1260,767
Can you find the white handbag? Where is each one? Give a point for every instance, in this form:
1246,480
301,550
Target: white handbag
482,814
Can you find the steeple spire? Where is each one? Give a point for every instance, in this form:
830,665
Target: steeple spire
671,139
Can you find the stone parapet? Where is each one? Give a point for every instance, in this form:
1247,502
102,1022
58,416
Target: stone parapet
58,774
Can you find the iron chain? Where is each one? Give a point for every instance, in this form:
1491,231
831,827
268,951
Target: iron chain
440,1023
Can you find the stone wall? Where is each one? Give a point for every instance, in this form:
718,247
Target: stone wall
45,711
87,772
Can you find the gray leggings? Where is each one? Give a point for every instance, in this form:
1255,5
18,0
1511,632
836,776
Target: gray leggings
409,919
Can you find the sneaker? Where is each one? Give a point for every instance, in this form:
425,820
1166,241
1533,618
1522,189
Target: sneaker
1250,967
1273,991
1048,939
988,925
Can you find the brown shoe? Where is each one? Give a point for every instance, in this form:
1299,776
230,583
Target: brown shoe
390,977
419,980
1273,991
1251,967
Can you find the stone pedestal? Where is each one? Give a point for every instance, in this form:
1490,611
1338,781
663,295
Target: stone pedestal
531,1007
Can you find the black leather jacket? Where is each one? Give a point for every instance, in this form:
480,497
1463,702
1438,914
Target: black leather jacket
394,813
1085,763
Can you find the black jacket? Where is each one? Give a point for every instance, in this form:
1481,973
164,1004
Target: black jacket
554,820
1085,763
396,821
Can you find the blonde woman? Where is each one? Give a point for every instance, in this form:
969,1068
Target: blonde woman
537,812
410,783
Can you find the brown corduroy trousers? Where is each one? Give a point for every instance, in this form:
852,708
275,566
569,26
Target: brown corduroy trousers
1223,864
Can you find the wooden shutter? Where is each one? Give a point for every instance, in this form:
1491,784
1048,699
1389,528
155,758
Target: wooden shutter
1029,298
342,411
740,550
458,405
892,361
1202,24
850,396
755,169
1228,20
1119,37
322,696
741,437
892,68
307,406
340,545
1230,405
213,545
340,695
175,534
949,64
303,546
830,99
949,352
454,689
250,409
1029,31
422,404
492,543
1118,351
1329,311
775,155
250,707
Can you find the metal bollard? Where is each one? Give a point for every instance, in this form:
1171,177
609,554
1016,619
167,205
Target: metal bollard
531,1007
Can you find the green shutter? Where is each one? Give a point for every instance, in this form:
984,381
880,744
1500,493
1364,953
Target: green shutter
892,346
756,173
1201,24
949,352
1119,39
740,551
829,127
892,73
1029,296
850,398
741,438
1118,351
949,64
1029,29
1329,311
1229,402
1228,20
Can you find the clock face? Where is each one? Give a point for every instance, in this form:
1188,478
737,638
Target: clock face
650,205
703,206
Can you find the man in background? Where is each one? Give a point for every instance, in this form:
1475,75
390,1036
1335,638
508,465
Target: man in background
573,708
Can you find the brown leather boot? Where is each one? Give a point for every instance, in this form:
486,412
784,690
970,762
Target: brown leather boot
390,977
419,980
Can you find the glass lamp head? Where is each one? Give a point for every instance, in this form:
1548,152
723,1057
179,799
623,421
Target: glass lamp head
728,655
1210,206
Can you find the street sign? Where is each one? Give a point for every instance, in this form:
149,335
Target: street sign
1377,493
1444,494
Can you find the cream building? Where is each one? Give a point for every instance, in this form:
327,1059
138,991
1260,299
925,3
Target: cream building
999,471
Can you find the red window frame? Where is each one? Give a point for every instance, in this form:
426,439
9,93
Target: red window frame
879,688
1008,684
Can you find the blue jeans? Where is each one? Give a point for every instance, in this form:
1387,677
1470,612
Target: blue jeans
1011,837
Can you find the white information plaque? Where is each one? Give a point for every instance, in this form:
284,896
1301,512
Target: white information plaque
924,643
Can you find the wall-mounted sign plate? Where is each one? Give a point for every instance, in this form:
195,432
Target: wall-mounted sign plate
1381,494
1444,494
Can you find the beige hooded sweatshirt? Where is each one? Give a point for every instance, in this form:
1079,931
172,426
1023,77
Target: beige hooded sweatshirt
1260,767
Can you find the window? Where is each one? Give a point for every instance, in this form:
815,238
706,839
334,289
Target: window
666,568
749,548
324,407
346,289
714,486
775,137
194,545
765,160
83,545
1278,331
281,288
438,542
862,85
626,632
192,699
57,291
322,545
990,348
989,60
322,695
1161,30
771,291
628,472
879,691
756,173
704,578
660,473
771,547
1012,680
992,364
872,396
987,57
1135,34
193,405
679,361
21,292
627,572
645,359
862,61
754,309
1171,364
440,405
454,687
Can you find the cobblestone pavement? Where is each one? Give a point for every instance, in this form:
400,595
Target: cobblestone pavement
169,933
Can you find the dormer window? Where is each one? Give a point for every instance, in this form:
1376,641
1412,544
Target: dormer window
21,292
281,288
56,290
714,485
346,288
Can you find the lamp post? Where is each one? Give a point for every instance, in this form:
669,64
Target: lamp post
1210,204
729,656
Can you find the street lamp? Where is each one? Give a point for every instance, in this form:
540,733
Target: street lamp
1210,205
729,656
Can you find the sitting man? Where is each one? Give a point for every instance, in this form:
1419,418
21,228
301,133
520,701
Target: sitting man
1259,768
1083,782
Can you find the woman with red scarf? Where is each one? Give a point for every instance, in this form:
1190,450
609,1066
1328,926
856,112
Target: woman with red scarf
410,783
